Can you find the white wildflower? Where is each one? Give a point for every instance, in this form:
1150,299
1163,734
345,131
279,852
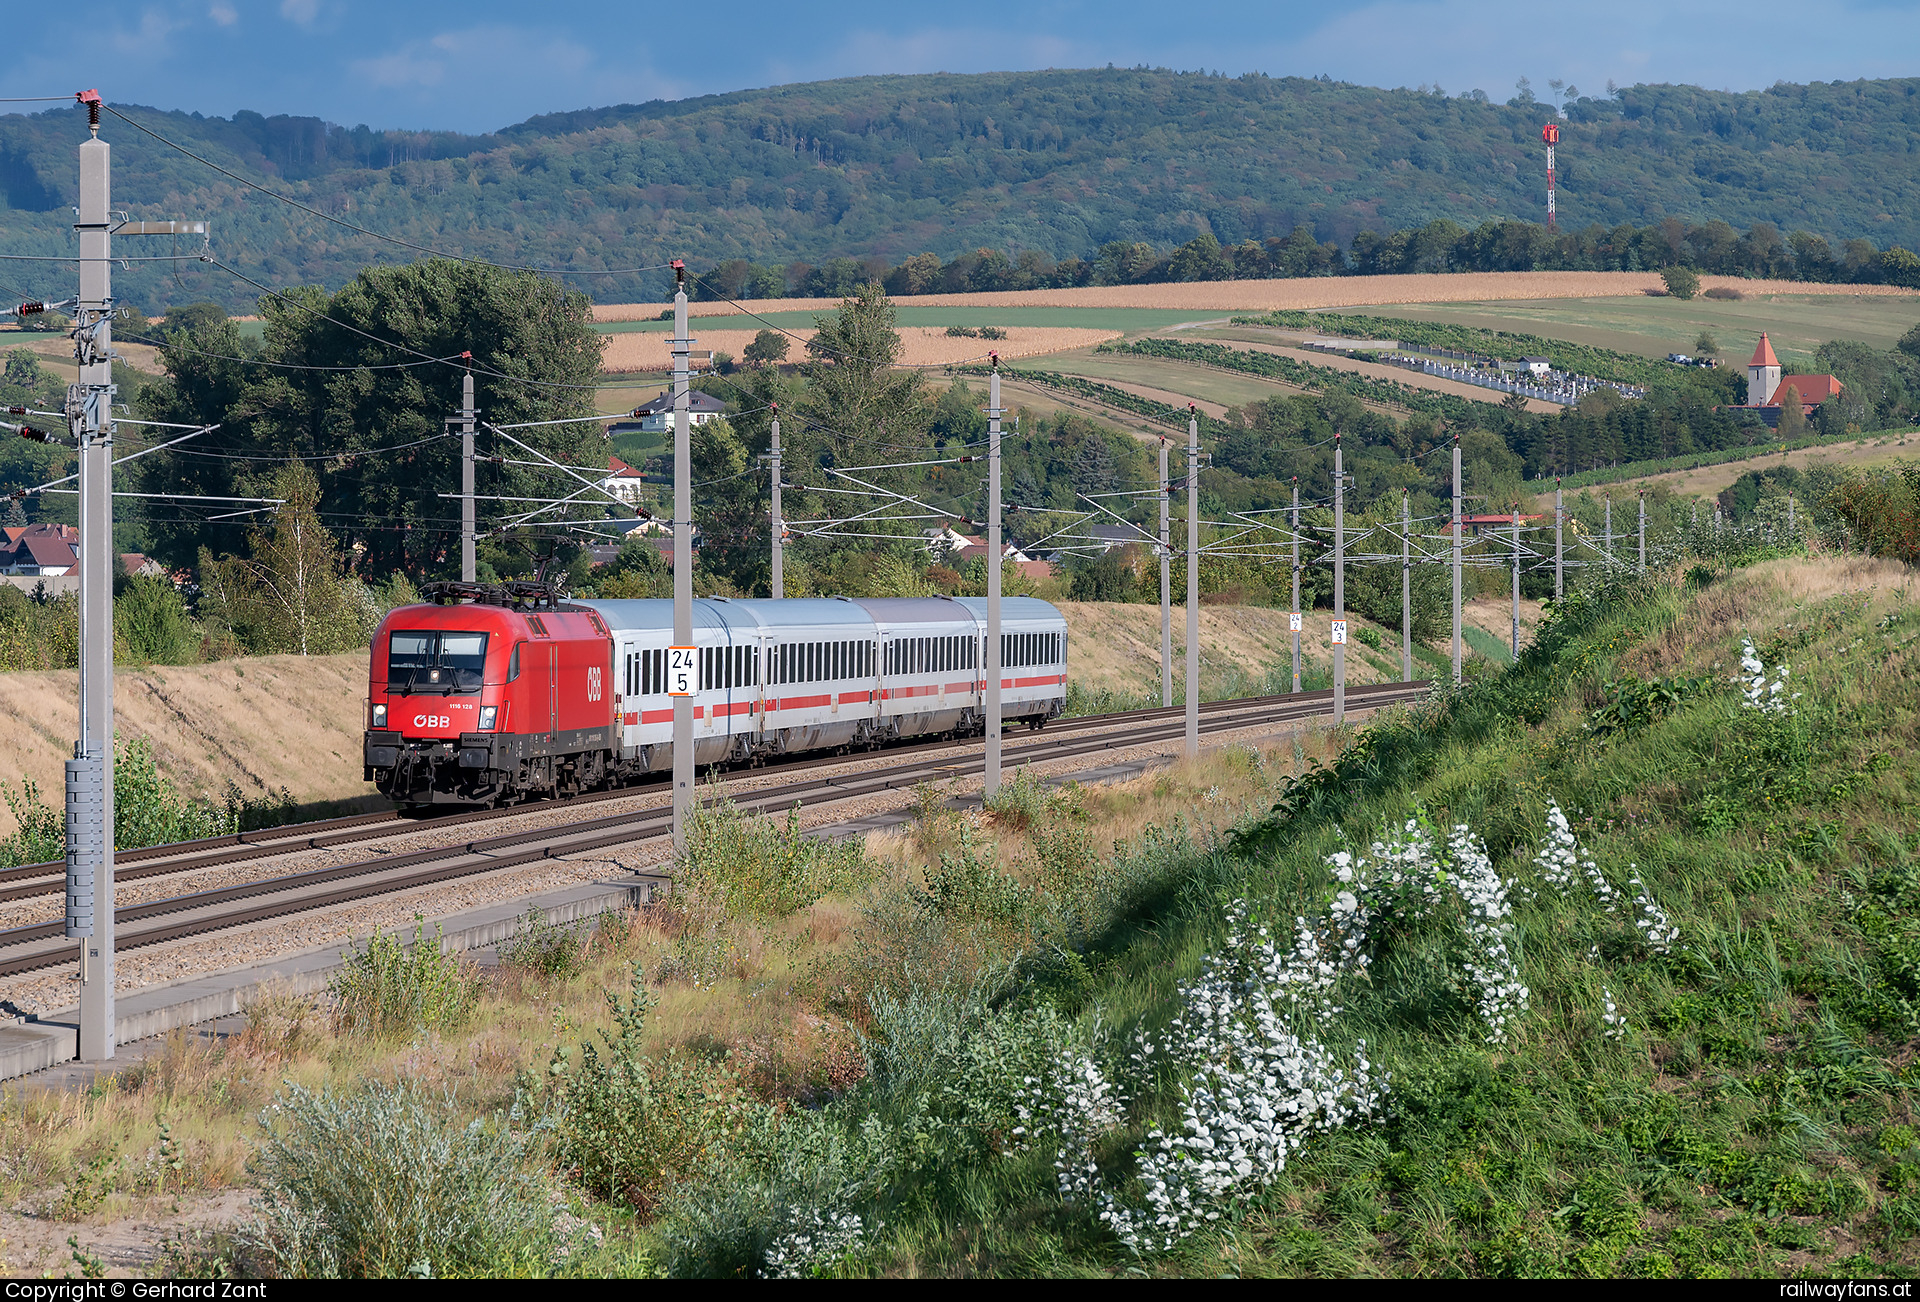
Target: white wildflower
1613,1019
1490,965
1259,1089
1758,692
815,1242
1651,920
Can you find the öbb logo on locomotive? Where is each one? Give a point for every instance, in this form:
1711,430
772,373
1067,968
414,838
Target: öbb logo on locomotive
491,694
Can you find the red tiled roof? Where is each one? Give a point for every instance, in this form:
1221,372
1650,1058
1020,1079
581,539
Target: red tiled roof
1814,389
618,469
47,550
1763,355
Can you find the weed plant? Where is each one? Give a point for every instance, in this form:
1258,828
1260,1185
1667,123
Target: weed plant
737,866
557,951
147,810
389,1181
391,988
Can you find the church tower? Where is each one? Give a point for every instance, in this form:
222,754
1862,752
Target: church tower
1763,374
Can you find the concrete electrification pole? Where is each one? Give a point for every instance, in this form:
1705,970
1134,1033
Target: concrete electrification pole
1166,587
90,774
1457,527
1406,589
779,543
1296,620
994,659
469,561
1193,584
1516,580
1643,528
1559,551
682,563
1339,585
1607,536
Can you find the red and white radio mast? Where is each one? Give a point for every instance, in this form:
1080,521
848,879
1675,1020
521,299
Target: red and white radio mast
1551,134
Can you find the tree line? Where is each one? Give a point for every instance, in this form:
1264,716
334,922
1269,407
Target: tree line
1064,163
1442,245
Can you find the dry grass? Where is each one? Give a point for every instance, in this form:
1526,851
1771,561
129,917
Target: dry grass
920,346
1207,795
1705,481
265,722
1116,645
1760,598
1268,295
771,1002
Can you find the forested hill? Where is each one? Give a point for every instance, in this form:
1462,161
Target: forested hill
1060,161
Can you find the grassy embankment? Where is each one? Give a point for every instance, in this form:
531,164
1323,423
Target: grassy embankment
1747,1111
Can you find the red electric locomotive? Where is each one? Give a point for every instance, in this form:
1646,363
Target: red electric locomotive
488,694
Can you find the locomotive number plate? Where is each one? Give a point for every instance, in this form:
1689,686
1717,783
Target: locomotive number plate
683,669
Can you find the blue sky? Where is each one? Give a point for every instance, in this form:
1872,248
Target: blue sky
483,64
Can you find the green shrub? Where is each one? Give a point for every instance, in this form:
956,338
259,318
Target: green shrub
392,988
41,833
151,625
1021,799
968,884
744,865
761,1202
547,948
1681,282
389,1182
626,1126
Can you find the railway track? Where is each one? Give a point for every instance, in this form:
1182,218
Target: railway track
156,922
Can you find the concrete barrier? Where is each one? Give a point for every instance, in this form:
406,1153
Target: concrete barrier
51,1039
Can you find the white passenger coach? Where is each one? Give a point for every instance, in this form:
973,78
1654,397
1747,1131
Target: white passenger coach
804,674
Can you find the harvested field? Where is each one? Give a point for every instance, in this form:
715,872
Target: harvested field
920,345
1308,294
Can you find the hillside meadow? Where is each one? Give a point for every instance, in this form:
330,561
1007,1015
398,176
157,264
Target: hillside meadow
1600,967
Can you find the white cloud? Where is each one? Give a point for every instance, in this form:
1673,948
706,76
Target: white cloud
150,38
302,12
223,13
500,74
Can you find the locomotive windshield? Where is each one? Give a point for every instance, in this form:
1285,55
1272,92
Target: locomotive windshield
431,660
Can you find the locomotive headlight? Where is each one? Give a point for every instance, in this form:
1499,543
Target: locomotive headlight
380,715
486,717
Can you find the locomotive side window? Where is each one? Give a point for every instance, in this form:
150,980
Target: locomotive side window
513,662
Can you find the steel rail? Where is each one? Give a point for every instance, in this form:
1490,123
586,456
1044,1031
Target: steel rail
29,881
322,888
